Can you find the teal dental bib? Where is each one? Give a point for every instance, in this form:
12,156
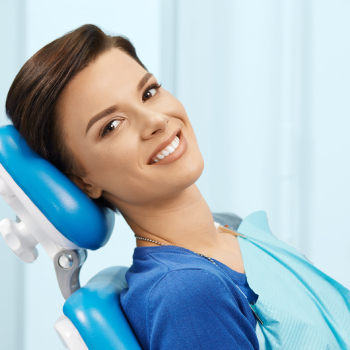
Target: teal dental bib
300,306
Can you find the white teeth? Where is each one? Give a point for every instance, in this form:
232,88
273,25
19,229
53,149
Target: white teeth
167,150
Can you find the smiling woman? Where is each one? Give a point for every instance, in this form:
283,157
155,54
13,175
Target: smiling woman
86,103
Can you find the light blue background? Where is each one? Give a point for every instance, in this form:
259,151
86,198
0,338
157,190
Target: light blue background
267,88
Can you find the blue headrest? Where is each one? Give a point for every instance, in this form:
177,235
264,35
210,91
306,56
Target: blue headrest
69,209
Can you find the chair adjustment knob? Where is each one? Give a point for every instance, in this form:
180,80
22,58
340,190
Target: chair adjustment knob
5,190
19,239
65,261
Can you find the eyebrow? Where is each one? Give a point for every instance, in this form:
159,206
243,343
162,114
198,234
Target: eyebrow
113,109
144,80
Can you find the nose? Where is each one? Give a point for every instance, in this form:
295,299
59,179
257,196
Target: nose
151,123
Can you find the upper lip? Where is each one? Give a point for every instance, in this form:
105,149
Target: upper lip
163,144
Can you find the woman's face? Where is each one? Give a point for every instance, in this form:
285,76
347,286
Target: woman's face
114,117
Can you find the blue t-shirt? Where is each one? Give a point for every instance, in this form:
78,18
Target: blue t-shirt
177,299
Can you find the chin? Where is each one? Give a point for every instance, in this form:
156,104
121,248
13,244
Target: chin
191,172
197,167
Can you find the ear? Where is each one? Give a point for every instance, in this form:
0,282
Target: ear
91,190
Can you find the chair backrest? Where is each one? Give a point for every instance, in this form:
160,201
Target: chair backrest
55,213
97,314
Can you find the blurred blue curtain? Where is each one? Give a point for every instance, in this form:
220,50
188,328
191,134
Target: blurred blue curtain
266,86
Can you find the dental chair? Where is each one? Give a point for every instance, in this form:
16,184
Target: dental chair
52,211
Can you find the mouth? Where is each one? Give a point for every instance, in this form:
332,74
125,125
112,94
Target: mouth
177,153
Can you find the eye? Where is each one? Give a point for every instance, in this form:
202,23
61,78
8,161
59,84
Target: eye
150,91
112,125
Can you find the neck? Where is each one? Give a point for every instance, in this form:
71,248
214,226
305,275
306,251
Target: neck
185,221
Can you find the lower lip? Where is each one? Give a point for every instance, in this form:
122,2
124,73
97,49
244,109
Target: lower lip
180,150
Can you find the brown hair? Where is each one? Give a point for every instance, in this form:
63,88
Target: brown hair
31,100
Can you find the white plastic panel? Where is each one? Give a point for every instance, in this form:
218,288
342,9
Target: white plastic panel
35,221
69,335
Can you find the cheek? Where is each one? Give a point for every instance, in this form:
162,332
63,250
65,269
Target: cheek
115,169
121,179
104,163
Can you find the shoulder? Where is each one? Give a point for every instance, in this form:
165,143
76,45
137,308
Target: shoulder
190,286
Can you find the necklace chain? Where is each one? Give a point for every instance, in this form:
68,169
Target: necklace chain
211,260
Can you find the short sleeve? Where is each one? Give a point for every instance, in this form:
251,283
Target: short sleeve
194,309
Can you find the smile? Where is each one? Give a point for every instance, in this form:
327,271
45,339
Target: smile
174,150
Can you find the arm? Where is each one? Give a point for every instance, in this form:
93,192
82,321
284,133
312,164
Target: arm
193,309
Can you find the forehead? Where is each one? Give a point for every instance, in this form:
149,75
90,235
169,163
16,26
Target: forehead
101,83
